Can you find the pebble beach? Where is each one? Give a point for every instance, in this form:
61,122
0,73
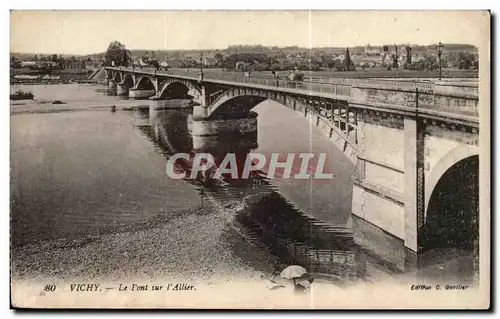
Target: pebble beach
195,245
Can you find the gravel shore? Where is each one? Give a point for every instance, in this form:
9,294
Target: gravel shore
194,245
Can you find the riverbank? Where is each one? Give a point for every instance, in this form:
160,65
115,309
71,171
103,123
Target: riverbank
177,245
38,77
47,106
21,95
56,106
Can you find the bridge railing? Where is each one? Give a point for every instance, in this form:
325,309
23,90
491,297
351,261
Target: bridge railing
340,90
216,95
337,86
465,89
383,92
385,83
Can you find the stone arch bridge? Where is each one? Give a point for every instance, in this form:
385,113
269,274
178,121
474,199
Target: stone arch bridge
415,145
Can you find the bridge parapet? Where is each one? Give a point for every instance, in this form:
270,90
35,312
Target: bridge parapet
450,103
449,98
467,90
457,88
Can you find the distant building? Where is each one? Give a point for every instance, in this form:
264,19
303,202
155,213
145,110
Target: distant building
164,64
369,51
72,64
40,65
208,61
92,63
140,63
241,65
29,64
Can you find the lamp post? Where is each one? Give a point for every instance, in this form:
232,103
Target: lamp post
201,66
396,64
440,51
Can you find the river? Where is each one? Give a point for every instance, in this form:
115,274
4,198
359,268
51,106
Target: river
85,171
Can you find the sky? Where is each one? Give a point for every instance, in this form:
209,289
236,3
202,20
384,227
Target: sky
86,32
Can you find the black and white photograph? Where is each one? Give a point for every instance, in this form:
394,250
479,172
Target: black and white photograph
231,159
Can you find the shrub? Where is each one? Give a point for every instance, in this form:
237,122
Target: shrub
20,95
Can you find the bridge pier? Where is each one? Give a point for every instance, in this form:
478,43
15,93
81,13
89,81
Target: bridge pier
222,126
140,94
383,174
112,84
121,89
413,181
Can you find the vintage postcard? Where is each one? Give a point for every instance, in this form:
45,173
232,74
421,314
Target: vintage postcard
250,159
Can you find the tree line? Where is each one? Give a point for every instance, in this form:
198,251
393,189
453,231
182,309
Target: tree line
118,54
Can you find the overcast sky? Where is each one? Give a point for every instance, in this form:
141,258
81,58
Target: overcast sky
84,32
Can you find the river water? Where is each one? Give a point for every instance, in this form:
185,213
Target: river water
85,170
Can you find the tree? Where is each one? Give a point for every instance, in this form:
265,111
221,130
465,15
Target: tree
465,65
118,53
338,65
348,63
275,67
154,63
395,61
286,65
408,54
331,64
14,63
219,58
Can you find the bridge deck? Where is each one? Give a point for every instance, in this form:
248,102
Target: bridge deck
341,91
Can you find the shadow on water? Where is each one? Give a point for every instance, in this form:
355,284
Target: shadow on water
297,239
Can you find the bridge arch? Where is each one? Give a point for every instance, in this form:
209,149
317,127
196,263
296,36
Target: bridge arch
117,77
241,101
444,164
110,74
146,82
128,79
175,90
238,103
178,89
236,106
452,206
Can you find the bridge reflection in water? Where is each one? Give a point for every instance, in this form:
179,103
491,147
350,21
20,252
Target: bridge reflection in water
270,222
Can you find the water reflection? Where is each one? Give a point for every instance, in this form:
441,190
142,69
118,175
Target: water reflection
266,214
298,239
169,132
